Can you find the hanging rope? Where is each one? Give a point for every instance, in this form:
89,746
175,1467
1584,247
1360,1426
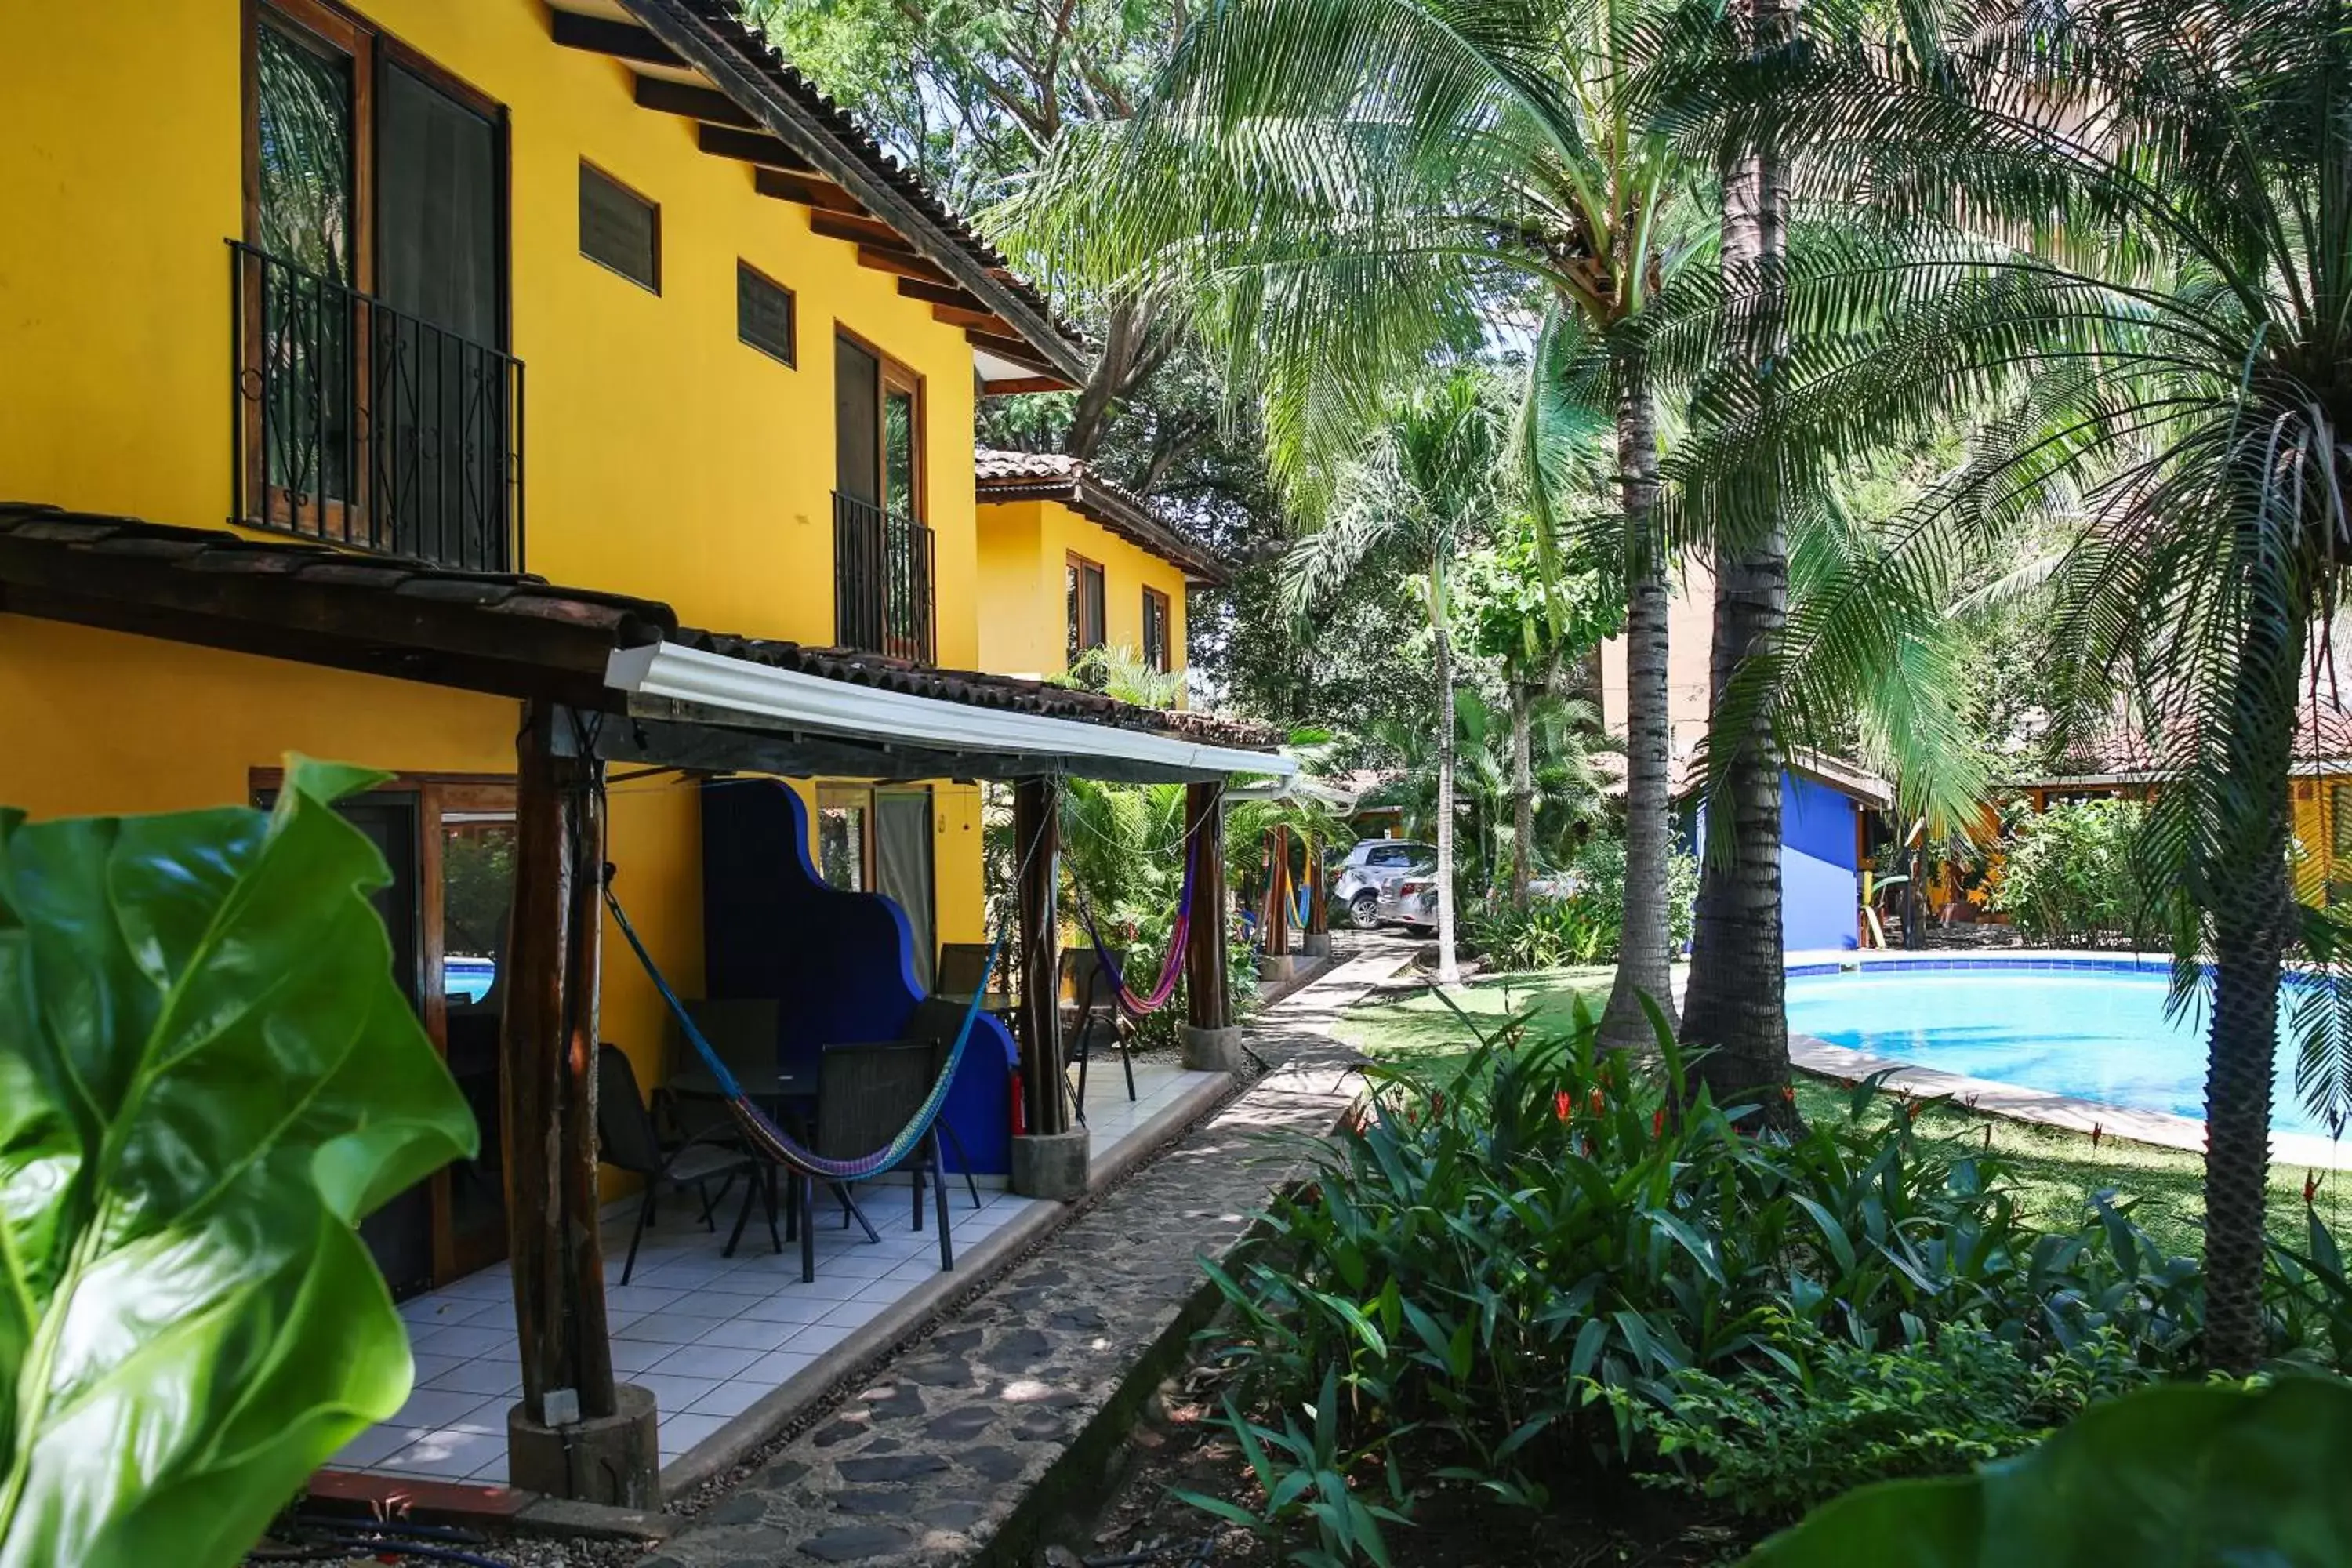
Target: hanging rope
1172,966
774,1141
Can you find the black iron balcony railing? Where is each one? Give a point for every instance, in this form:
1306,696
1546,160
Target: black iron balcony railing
882,580
363,426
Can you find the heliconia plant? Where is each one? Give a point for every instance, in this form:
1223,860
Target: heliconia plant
208,1078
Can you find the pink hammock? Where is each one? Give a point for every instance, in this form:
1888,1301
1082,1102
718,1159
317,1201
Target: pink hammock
1170,968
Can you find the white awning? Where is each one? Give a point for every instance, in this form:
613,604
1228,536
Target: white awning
741,691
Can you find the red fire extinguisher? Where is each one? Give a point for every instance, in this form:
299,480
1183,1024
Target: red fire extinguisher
1019,1108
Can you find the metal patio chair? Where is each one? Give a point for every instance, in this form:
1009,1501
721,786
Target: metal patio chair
867,1093
629,1138
1096,1018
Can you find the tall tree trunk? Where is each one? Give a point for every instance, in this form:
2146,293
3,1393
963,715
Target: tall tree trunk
1736,1006
1523,792
1645,944
1449,968
2253,920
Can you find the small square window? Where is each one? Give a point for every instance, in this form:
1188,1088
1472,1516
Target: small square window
620,228
763,312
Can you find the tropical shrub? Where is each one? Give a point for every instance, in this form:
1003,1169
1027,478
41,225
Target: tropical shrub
1533,1263
2180,1475
1773,1448
208,1078
2070,878
1583,926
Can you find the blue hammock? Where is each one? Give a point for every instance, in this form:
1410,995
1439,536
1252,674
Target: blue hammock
774,1141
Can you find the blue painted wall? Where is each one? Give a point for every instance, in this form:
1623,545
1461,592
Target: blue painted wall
1820,892
843,963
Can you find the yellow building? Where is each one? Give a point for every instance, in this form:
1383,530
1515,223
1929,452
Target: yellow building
2126,763
372,368
1070,562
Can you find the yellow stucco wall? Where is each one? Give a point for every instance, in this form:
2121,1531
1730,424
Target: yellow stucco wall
662,457
1024,547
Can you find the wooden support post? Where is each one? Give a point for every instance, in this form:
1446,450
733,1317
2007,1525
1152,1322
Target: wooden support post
1277,924
1206,987
548,1095
1318,915
1036,850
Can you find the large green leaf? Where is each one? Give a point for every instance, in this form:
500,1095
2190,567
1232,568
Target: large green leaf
2177,1477
207,1078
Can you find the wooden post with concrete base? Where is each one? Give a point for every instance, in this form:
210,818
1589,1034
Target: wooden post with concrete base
1049,1161
575,1434
1211,1042
1275,963
1316,943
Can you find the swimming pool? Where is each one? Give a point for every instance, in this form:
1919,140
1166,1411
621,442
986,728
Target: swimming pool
2094,1033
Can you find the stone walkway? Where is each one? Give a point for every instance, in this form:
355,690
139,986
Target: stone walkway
965,1440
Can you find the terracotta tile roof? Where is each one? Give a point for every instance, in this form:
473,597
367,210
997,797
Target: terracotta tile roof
1050,476
2323,735
510,633
1848,779
749,46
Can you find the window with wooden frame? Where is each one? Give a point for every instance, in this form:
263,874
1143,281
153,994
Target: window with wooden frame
620,229
1156,625
878,839
763,313
1083,581
376,402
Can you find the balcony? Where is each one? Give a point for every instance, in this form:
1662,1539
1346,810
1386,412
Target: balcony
362,425
882,580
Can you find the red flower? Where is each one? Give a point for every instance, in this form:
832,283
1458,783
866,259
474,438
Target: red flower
1789,1093
1436,1105
2097,1129
1600,1102
1561,1104
2310,1180
1658,1122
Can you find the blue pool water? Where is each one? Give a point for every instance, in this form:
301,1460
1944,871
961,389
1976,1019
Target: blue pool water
2095,1035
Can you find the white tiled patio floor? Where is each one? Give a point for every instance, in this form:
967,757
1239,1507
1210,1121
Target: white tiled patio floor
709,1335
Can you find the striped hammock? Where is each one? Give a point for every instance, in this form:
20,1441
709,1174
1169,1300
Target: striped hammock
773,1141
1140,1005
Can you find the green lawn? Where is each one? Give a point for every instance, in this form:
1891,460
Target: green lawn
2054,1171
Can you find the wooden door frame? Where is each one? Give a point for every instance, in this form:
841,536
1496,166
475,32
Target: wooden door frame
436,793
371,50
893,373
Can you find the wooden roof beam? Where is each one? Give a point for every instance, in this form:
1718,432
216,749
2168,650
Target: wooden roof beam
904,263
601,36
809,190
1016,386
1017,351
859,230
752,147
939,294
693,102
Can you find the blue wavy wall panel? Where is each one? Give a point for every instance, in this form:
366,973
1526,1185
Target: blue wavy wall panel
843,963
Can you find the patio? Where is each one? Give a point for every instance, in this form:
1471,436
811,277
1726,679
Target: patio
712,1336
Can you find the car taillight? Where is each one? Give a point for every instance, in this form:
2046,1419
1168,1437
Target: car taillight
1414,890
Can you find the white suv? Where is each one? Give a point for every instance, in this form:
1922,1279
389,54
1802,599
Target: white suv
1366,883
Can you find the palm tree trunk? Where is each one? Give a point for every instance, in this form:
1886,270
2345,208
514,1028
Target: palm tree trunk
1523,793
1449,969
1645,944
1736,1008
2253,920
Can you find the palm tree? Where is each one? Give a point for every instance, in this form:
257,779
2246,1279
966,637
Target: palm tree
1431,476
1348,188
2124,225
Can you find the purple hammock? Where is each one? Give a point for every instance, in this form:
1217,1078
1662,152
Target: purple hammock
1172,966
